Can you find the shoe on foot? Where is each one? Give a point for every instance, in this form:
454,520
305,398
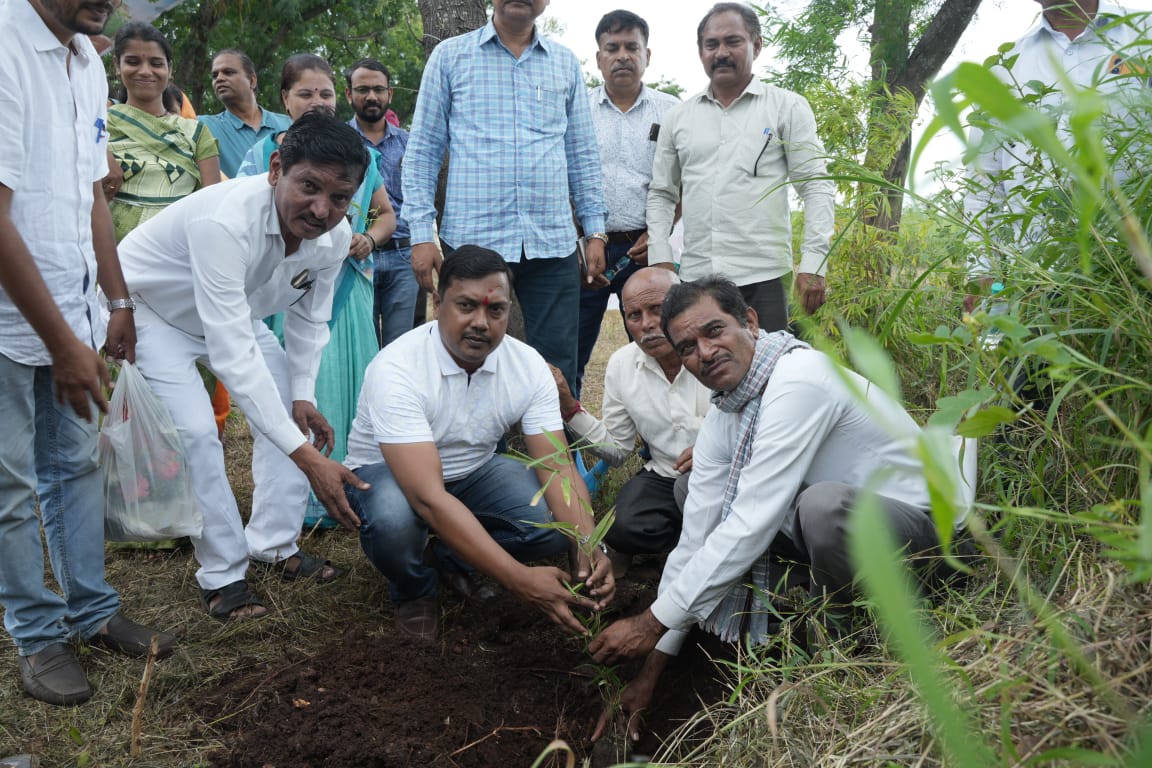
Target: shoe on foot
125,636
55,676
419,619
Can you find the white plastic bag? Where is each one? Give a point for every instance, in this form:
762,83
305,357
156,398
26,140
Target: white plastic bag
147,492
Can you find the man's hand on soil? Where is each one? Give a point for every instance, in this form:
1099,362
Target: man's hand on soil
544,587
627,639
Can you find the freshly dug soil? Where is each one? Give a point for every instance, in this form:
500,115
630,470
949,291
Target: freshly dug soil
501,683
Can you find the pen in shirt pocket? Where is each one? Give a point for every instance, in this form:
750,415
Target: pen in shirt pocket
763,149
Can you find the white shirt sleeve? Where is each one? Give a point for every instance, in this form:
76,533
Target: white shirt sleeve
663,192
713,555
612,438
543,412
218,261
397,408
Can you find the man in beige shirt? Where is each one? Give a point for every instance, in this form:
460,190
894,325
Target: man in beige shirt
729,154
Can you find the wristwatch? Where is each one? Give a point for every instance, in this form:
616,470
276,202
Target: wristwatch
597,236
115,304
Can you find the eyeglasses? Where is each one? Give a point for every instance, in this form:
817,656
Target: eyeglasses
364,90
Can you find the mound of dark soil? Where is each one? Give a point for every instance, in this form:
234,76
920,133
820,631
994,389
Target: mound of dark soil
499,686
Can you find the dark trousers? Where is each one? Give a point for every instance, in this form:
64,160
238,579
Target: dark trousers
548,291
770,300
593,304
649,514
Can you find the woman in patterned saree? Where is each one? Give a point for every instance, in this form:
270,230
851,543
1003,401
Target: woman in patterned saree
161,156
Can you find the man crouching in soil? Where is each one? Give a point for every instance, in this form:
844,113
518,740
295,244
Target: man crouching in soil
435,403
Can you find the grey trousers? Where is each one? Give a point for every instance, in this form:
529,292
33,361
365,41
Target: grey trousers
819,538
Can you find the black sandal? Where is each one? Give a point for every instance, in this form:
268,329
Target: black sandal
308,567
230,598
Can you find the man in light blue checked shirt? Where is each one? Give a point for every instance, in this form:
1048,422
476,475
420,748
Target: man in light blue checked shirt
511,109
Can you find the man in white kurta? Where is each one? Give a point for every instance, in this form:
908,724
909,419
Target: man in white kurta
777,467
203,272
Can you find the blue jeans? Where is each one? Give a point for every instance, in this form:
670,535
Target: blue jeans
499,493
593,304
394,303
49,452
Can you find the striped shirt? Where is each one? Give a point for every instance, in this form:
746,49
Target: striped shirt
522,144
389,162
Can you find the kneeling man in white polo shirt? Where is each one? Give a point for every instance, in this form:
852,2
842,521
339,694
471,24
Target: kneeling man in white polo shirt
203,272
434,405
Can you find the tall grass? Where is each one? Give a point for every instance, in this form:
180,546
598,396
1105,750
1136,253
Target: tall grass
1044,657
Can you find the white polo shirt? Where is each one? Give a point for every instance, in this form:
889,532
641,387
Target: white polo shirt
213,263
414,392
53,110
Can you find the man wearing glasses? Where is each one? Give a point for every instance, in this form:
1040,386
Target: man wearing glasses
370,92
202,273
730,155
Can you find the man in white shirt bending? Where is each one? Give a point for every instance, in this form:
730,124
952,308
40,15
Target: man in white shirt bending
434,404
647,394
776,470
203,273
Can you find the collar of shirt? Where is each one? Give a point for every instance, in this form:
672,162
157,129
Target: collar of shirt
489,33
754,88
237,124
389,133
645,360
42,38
602,97
448,366
1105,14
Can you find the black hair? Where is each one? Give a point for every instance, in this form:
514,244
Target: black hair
723,291
144,32
245,61
299,63
747,15
621,21
471,262
371,64
320,138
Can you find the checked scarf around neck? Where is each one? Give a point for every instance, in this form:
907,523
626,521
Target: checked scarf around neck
736,607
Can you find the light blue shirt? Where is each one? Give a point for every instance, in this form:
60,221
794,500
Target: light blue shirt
522,145
236,137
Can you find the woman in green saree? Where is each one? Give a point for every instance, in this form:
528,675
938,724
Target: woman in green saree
160,156
307,83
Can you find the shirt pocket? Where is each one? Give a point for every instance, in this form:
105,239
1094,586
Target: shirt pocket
549,109
761,152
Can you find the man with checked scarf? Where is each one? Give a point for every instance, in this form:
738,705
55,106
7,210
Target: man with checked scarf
777,466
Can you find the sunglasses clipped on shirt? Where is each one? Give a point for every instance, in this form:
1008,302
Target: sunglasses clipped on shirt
302,281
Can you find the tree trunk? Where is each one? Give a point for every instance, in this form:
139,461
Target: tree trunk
900,79
448,18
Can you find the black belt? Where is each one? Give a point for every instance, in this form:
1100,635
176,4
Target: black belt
396,244
625,238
